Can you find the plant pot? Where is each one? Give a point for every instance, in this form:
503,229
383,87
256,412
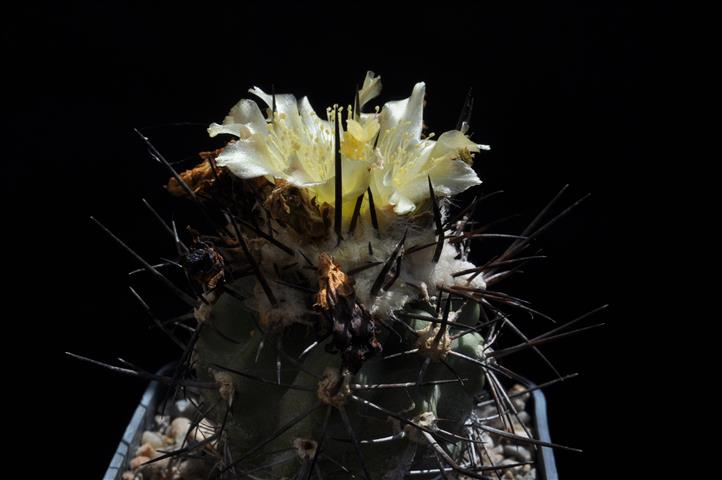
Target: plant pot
142,420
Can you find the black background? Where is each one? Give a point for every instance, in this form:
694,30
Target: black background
560,95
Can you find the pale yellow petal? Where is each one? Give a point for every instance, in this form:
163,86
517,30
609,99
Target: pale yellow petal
370,89
244,120
248,158
452,176
402,120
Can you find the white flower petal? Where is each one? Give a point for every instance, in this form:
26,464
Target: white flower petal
296,173
416,189
448,177
285,104
248,158
247,112
451,142
402,205
299,148
380,190
452,176
403,119
244,120
315,126
370,89
235,129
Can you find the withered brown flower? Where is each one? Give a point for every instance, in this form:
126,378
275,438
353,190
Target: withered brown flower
353,328
293,206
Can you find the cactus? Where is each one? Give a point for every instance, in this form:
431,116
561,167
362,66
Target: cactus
340,330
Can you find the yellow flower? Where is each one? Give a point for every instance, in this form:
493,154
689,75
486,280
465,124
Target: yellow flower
382,150
358,139
404,160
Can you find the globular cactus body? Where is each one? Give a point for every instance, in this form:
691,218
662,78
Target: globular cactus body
340,324
371,292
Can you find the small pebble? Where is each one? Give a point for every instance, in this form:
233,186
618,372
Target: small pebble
179,428
152,438
136,462
204,430
530,475
486,440
525,418
518,431
517,452
520,401
511,472
495,457
146,450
